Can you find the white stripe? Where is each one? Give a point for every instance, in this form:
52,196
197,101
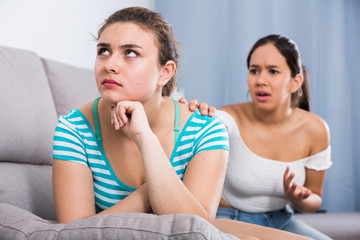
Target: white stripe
69,113
67,153
101,206
96,161
85,134
181,175
197,120
214,135
68,136
91,143
108,181
206,128
213,144
218,127
111,191
95,152
184,146
67,124
189,129
82,126
181,157
69,145
184,138
76,119
99,170
106,199
69,127
180,167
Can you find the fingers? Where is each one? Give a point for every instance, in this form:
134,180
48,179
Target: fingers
206,110
299,192
118,116
286,174
203,108
293,190
307,193
288,179
212,111
193,105
290,190
114,119
182,100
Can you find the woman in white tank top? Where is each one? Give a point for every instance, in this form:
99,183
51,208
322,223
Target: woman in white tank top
279,150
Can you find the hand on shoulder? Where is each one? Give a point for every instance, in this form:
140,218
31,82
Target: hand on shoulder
205,110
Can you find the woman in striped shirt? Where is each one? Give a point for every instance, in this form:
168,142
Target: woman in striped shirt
134,149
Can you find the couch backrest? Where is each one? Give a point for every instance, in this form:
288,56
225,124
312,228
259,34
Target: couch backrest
28,113
33,93
70,86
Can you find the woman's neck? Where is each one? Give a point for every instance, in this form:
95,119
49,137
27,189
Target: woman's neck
157,110
272,117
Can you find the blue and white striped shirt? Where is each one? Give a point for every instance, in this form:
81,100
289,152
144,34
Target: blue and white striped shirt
75,140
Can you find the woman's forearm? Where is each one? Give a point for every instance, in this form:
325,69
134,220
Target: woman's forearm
310,204
167,193
137,201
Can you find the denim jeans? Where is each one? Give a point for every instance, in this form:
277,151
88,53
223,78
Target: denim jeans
282,219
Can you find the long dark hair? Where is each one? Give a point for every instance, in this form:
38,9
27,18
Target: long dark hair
162,30
289,49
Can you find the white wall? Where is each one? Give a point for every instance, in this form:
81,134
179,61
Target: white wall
58,30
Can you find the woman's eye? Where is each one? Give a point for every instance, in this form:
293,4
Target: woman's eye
103,51
253,71
272,71
131,53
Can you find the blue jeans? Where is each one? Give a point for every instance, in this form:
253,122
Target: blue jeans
282,219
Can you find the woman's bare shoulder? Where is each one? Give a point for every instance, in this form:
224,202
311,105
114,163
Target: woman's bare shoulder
86,109
317,129
238,111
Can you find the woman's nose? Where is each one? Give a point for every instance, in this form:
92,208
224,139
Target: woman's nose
261,79
112,65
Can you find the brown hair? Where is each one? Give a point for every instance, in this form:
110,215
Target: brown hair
155,22
289,49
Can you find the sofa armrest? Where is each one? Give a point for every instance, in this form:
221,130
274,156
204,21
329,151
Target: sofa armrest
16,223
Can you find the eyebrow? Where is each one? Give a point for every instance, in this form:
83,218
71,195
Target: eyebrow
124,46
267,66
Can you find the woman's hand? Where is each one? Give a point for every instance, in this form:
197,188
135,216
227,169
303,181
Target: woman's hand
294,192
130,117
204,108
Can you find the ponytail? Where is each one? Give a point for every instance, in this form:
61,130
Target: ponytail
301,98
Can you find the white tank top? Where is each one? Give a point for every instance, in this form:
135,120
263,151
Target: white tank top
254,183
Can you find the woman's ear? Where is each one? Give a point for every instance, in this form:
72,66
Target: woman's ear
297,82
167,72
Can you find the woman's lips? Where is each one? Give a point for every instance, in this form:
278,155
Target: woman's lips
262,96
109,83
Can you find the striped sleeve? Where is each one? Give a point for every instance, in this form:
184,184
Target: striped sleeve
68,143
213,135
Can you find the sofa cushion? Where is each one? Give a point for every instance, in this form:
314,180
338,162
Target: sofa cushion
337,225
71,86
18,224
28,114
29,187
